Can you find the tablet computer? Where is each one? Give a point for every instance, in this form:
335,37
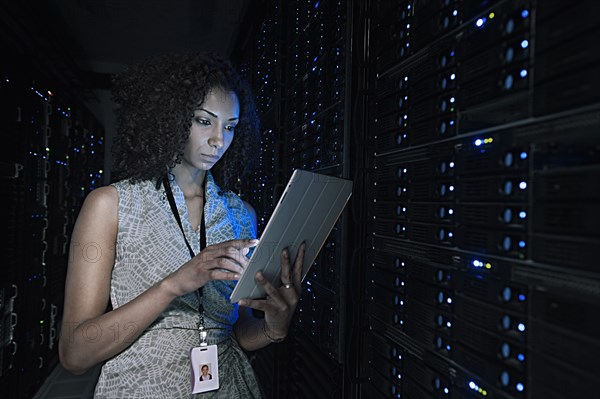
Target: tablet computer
307,210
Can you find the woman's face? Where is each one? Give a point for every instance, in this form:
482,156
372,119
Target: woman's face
204,370
212,129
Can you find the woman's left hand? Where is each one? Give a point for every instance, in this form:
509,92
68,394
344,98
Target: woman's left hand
280,305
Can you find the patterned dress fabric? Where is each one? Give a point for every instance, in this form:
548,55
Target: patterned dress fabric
149,247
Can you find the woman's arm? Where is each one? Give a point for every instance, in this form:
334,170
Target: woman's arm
89,335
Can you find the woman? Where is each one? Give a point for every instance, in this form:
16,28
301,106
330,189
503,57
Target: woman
138,241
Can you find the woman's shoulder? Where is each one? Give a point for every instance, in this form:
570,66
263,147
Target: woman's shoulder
101,204
102,196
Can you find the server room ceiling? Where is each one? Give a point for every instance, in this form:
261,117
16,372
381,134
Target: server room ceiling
107,34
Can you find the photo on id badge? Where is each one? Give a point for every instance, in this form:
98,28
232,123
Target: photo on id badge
205,369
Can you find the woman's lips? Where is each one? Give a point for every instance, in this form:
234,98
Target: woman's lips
211,158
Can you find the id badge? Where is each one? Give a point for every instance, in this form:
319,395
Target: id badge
205,368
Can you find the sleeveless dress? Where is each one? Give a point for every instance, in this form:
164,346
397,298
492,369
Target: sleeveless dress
149,247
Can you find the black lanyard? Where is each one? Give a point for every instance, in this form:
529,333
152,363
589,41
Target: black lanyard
202,231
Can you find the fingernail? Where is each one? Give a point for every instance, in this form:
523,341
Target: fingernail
242,302
253,241
237,276
245,251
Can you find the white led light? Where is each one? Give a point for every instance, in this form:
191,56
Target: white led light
523,185
520,387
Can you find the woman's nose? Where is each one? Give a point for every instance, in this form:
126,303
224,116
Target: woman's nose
216,138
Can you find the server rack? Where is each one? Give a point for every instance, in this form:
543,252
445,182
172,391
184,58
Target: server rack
483,176
471,132
52,156
301,68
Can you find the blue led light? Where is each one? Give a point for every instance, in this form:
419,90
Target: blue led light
455,13
472,385
477,263
520,387
523,73
317,4
479,23
505,350
522,214
523,185
524,43
453,76
524,14
523,155
522,297
504,378
506,322
521,327
521,357
521,244
478,142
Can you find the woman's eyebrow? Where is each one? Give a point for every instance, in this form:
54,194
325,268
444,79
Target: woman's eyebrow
215,116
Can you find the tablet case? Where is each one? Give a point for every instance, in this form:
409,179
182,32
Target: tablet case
307,210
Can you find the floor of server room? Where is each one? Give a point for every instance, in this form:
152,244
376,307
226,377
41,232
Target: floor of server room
61,384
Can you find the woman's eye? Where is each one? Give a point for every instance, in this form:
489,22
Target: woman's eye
202,121
230,128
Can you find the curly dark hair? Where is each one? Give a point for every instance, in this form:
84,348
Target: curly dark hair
157,100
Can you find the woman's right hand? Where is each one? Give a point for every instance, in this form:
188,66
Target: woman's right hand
223,261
